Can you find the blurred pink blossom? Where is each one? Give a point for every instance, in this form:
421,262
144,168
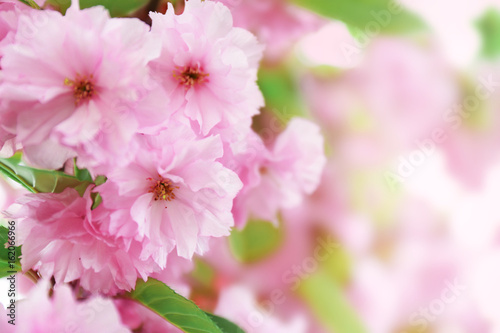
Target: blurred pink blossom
277,23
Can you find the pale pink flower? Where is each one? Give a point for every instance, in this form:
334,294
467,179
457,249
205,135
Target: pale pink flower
277,23
5,327
237,303
9,19
7,144
174,275
62,237
401,90
141,319
47,155
280,177
175,193
407,87
80,80
63,313
471,126
207,67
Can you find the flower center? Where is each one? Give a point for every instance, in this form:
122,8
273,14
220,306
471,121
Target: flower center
83,88
190,76
162,189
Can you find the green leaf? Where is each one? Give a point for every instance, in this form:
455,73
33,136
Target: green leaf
178,310
82,174
96,199
6,265
489,27
99,180
225,325
37,180
327,301
366,15
258,240
203,274
115,7
281,92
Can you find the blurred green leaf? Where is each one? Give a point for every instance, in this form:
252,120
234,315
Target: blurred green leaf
115,7
489,27
338,266
37,180
280,92
6,267
366,15
178,310
203,274
326,299
258,240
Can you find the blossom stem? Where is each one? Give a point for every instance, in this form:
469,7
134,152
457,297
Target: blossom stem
33,4
32,275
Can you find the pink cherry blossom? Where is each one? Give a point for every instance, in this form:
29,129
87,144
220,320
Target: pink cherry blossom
471,133
281,177
207,67
80,80
175,193
276,23
400,86
62,237
238,304
141,319
63,313
9,20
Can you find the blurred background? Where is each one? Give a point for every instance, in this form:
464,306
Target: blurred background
403,234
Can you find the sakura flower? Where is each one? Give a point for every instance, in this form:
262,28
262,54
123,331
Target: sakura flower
282,176
275,22
175,193
62,237
401,87
238,304
7,144
207,67
63,313
141,319
471,129
80,80
4,325
9,19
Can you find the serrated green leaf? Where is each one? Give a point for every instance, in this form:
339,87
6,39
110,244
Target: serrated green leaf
116,8
489,27
366,15
178,310
37,180
258,240
225,325
5,264
327,301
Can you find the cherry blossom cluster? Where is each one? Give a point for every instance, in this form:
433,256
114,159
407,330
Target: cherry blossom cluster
165,114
